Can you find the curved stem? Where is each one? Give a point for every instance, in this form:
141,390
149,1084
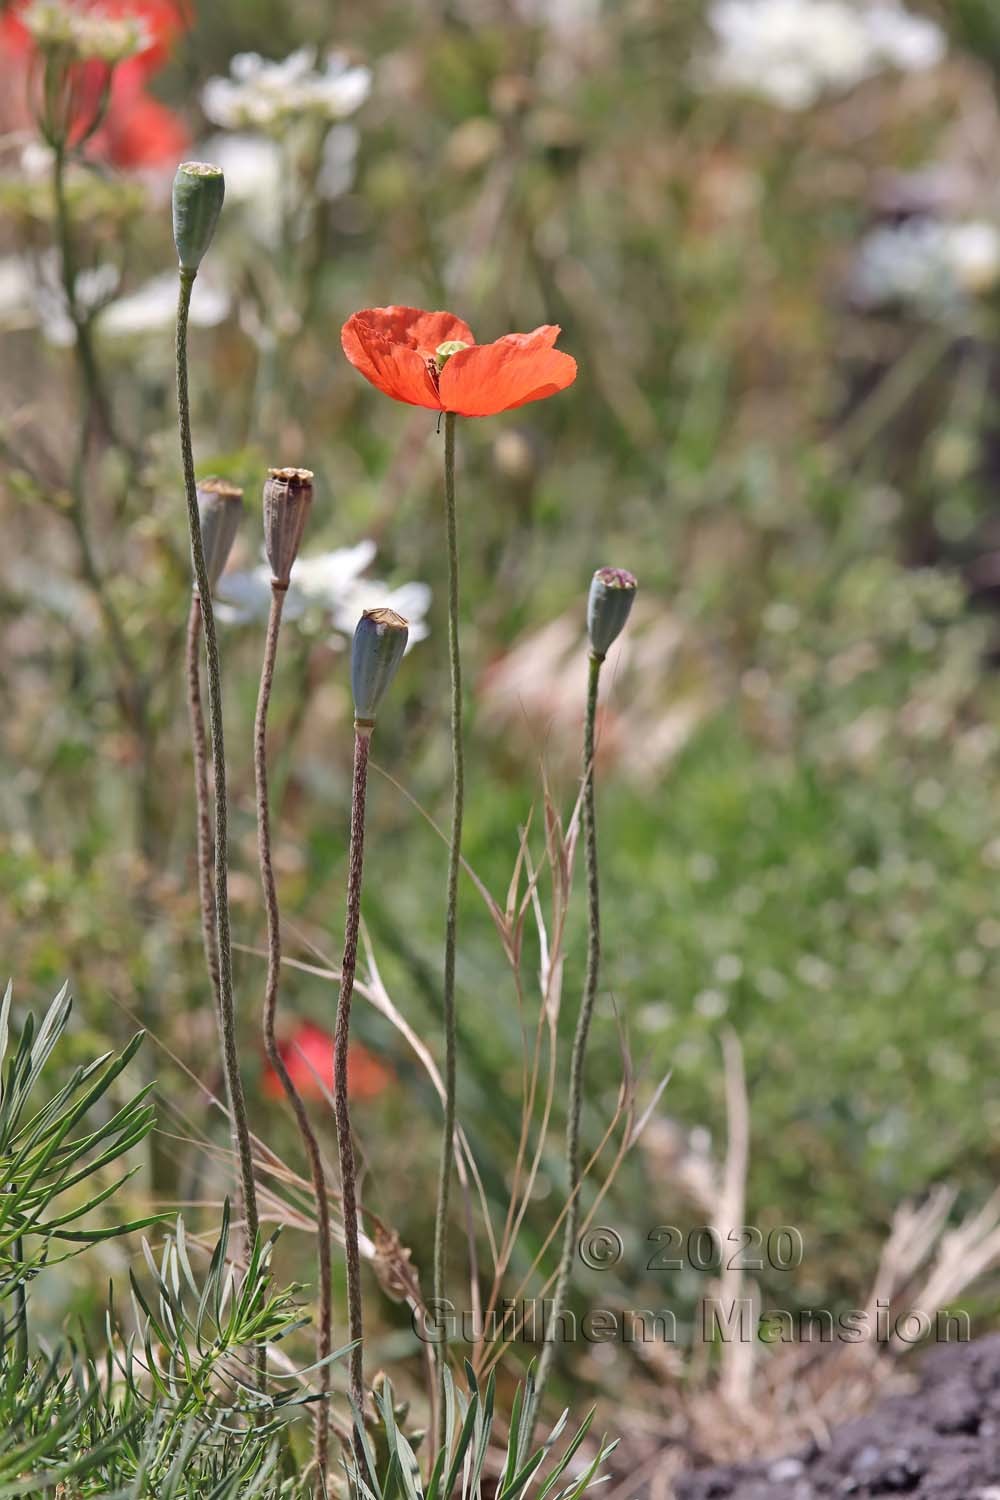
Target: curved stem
324,1329
227,1010
451,919
580,1038
345,1143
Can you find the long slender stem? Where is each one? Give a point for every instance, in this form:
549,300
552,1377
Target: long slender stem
345,1142
206,853
451,919
580,1038
324,1331
227,1009
205,839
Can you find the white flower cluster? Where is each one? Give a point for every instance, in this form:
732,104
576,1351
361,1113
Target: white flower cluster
927,264
792,52
264,95
329,583
84,35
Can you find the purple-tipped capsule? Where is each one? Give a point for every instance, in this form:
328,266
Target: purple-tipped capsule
220,510
612,591
199,189
287,500
379,642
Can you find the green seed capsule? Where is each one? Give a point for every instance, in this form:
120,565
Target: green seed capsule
220,510
287,500
379,643
612,591
199,189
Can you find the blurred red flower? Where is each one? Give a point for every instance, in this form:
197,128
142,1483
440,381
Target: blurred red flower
137,130
308,1055
431,359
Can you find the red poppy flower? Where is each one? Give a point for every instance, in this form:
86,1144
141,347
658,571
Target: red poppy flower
137,130
431,359
308,1055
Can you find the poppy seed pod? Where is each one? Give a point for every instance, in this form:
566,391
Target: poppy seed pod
379,642
220,510
199,189
612,591
287,498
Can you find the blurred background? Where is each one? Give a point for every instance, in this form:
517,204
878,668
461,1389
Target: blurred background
770,231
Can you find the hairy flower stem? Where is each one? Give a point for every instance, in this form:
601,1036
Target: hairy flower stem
227,1010
324,1329
578,1057
451,919
345,1142
199,742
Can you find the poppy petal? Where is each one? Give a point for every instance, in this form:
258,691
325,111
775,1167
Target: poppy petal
395,368
516,369
417,329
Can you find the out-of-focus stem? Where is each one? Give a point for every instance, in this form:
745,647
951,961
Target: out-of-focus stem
132,690
97,407
578,1057
345,1143
324,1329
227,1010
451,917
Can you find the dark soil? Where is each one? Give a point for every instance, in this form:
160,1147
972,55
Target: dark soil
941,1442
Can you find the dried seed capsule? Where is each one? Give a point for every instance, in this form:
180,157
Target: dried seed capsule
612,591
287,499
220,510
379,642
199,189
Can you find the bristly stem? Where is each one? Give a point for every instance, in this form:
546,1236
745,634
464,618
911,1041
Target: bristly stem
578,1057
230,1051
324,1331
451,919
206,855
345,1142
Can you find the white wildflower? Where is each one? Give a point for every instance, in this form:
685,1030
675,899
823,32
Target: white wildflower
264,95
792,52
927,264
329,583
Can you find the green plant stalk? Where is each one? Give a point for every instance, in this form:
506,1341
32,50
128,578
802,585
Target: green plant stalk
227,1010
206,857
578,1057
342,1034
451,918
324,1330
97,401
